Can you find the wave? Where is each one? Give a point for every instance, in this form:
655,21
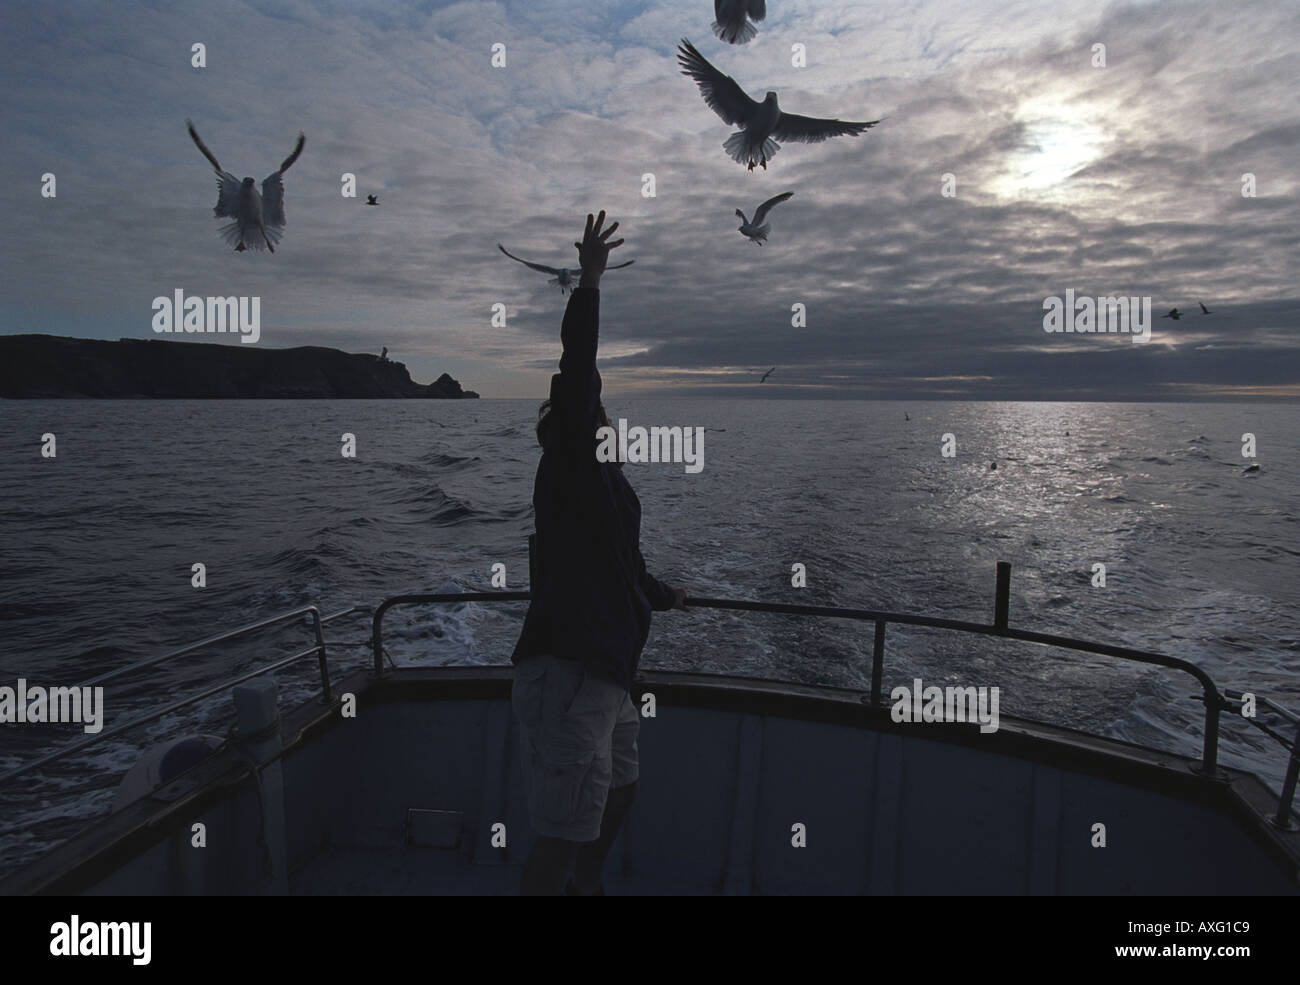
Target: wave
438,508
445,460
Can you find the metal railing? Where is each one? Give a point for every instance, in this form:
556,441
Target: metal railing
1214,701
312,612
1282,820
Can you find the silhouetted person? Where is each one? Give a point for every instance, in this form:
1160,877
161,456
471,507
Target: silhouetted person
588,619
384,355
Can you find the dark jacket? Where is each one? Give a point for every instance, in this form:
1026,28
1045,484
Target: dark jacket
592,597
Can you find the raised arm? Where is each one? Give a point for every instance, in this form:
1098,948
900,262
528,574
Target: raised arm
575,389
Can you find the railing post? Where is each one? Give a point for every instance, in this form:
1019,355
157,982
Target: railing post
1283,819
1002,600
1210,756
377,637
532,561
877,661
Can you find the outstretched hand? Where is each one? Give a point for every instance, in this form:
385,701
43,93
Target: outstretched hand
593,251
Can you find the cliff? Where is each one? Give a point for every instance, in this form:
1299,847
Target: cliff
56,366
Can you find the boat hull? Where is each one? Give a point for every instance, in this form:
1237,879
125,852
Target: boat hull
747,787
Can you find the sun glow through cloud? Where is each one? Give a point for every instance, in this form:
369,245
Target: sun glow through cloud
1057,143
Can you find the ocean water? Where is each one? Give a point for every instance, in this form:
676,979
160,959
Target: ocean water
1201,555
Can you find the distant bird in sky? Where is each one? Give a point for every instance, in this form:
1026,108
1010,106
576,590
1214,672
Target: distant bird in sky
371,200
767,374
259,219
1204,309
761,124
564,277
733,17
757,230
1174,313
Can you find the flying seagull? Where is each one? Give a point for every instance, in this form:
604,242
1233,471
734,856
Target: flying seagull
731,24
767,374
371,200
564,277
1174,313
1204,309
259,219
761,124
757,230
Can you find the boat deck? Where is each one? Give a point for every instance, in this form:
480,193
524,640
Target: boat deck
729,766
748,787
406,871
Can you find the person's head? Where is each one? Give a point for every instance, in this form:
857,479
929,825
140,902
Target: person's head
544,420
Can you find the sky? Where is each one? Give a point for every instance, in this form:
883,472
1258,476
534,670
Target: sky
1122,178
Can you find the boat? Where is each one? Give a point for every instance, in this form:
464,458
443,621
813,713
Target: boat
407,781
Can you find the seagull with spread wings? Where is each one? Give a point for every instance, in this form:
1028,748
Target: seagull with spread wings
258,219
757,230
733,17
761,124
565,278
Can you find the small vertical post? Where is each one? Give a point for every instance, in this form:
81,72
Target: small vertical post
532,562
1283,819
1210,753
1003,598
377,640
877,661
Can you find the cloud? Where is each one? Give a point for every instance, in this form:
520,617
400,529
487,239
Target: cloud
1123,179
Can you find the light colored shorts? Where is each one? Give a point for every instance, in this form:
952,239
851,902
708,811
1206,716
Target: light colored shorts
577,739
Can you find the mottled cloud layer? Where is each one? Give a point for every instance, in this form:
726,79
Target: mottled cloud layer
1125,179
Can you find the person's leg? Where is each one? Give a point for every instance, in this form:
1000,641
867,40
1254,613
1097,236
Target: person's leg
547,867
565,721
590,863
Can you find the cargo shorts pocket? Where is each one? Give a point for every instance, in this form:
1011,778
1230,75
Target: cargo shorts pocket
558,787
